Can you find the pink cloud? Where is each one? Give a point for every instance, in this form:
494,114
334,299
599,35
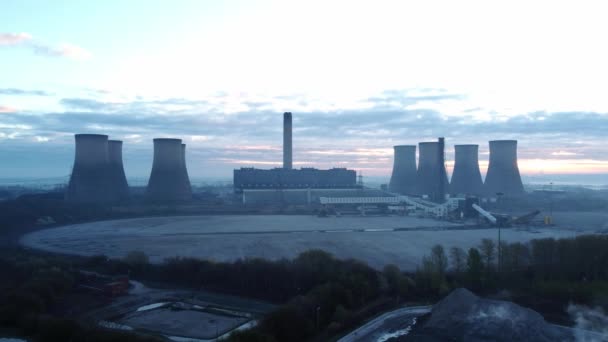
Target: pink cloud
41,48
6,109
14,38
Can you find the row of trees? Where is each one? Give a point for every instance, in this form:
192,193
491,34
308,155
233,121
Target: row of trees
574,266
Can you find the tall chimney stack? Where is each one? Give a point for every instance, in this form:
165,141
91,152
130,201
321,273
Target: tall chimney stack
287,149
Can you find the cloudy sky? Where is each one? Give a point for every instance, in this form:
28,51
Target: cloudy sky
359,76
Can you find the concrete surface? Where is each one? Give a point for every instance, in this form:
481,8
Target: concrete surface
391,324
229,237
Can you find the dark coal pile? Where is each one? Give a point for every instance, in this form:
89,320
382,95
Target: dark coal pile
462,316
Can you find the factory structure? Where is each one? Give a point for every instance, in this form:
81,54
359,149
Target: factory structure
98,175
288,185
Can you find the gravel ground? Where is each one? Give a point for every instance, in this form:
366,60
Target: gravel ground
226,238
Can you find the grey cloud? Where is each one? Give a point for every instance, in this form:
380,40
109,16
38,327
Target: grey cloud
539,133
15,91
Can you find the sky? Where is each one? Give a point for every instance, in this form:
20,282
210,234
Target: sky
359,77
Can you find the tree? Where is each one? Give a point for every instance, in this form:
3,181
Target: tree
136,259
439,260
458,257
433,269
488,252
474,267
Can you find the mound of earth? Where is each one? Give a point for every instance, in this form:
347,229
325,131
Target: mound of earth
462,316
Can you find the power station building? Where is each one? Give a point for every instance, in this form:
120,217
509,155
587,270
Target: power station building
280,178
289,178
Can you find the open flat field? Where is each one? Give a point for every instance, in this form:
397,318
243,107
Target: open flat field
376,240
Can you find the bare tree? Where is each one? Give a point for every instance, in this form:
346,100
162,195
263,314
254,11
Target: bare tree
459,259
488,252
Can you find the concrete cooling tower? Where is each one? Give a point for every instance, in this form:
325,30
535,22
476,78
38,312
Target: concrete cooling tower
119,184
466,178
90,180
503,173
187,185
429,171
168,180
403,178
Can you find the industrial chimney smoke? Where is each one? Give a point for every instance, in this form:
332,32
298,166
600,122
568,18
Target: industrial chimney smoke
403,178
429,169
186,178
466,178
287,148
503,173
90,180
167,179
119,185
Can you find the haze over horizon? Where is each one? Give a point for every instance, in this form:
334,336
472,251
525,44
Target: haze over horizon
358,77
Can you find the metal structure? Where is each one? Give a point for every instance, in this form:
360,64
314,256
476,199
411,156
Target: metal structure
168,181
466,178
119,185
90,181
503,173
403,178
427,208
429,171
287,141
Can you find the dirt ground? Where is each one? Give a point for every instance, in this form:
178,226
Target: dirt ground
377,240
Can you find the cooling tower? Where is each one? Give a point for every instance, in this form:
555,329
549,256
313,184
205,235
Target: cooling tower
429,170
503,172
186,178
119,185
90,180
287,148
167,179
403,178
466,178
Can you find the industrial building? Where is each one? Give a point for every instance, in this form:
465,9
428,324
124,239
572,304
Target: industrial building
169,178
503,172
303,196
97,174
280,178
466,177
289,178
403,177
